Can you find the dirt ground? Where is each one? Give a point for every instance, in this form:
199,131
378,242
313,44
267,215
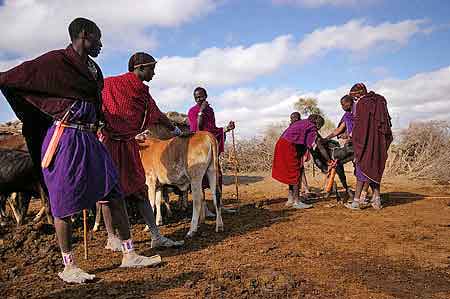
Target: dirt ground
266,251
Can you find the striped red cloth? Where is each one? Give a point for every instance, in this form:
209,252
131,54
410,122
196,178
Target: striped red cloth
128,109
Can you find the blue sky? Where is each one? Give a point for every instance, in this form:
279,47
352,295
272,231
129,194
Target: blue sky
257,57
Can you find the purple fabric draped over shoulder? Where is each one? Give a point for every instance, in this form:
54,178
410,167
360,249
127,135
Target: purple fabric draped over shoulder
347,118
209,124
301,132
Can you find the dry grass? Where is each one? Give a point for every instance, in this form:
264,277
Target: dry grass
422,151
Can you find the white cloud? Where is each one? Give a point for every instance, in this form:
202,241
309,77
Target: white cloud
34,26
424,96
230,66
319,3
227,66
172,98
357,36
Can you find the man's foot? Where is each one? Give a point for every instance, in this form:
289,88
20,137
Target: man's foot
114,244
301,205
354,205
165,242
376,203
208,213
73,274
349,194
289,201
133,260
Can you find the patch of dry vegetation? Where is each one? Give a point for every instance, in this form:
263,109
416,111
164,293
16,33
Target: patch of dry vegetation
422,151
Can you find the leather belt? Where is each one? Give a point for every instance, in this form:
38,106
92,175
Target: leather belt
79,126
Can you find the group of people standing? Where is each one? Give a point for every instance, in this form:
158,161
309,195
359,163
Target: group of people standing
366,130
80,130
62,98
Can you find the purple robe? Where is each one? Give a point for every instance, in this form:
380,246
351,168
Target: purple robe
301,132
347,118
82,171
209,124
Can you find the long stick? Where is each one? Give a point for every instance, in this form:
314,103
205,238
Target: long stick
85,234
236,169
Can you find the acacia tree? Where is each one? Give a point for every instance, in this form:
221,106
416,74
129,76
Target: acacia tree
308,106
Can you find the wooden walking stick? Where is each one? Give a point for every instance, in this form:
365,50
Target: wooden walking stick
85,234
236,169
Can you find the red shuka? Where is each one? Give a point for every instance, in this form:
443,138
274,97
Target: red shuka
286,165
43,89
372,135
128,109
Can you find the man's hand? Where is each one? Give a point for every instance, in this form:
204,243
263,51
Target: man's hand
204,105
177,131
230,126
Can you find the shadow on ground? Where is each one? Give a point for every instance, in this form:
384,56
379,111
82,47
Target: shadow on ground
235,224
127,289
243,179
391,199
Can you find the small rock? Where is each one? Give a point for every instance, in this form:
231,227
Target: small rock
189,284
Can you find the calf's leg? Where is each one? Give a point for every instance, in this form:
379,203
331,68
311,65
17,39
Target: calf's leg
197,207
212,178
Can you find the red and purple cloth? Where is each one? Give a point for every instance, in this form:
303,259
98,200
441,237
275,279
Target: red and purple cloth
128,108
44,89
82,171
208,122
209,125
287,164
302,132
371,136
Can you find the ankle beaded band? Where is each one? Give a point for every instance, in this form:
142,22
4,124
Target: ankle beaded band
67,258
127,246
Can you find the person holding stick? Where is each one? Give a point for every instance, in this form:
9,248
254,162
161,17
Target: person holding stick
201,118
290,148
57,96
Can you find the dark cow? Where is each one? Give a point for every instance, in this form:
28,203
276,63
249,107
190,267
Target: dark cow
18,175
327,150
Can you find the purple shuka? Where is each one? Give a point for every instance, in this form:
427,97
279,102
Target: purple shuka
82,171
301,132
347,118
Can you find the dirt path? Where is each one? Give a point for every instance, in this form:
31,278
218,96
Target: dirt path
402,251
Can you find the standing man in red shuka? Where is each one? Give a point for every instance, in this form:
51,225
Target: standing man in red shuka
129,109
371,138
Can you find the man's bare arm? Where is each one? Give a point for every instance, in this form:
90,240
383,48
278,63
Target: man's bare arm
339,130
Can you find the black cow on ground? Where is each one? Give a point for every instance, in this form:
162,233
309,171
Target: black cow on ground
18,175
328,150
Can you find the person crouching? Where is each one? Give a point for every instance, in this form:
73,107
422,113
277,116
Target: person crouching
287,166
